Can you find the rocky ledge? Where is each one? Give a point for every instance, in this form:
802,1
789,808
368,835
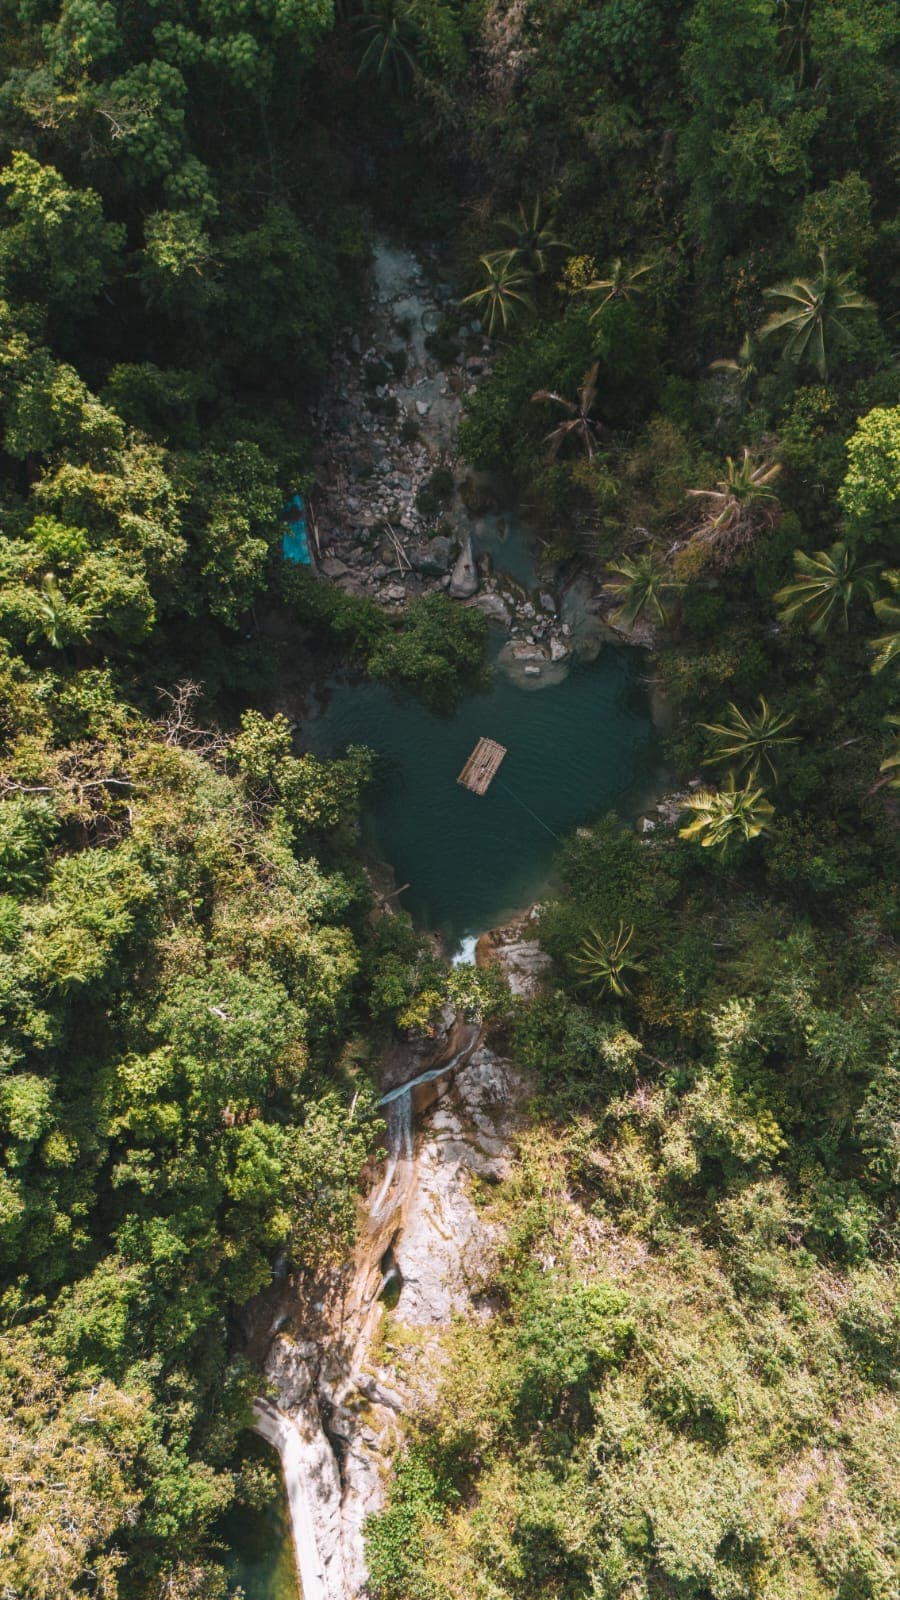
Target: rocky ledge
344,1374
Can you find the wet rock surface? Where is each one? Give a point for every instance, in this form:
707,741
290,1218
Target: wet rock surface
514,948
397,514
342,1382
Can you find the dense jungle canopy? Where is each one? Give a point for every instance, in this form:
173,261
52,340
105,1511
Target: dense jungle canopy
681,218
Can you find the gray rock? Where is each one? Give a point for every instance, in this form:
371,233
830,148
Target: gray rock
547,601
531,670
493,606
423,407
333,568
558,651
394,594
431,558
464,577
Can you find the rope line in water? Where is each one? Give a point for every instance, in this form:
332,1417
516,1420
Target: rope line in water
525,807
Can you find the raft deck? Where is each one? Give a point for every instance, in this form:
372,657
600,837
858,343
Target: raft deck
481,767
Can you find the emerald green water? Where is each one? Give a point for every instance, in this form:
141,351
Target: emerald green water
260,1554
575,750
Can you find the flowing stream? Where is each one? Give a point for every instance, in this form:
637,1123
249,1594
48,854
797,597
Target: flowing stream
582,745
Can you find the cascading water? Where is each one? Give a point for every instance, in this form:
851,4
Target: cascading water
399,1120
398,1106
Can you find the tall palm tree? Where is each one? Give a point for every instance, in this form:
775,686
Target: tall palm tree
620,285
746,740
825,586
388,35
643,586
604,962
503,297
742,367
578,423
887,610
725,816
532,236
814,313
742,502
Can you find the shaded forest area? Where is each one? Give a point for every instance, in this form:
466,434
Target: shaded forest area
678,225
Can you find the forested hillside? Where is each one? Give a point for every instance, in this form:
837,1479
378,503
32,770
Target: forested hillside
678,225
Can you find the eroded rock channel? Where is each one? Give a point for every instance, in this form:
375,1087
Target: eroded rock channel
337,1397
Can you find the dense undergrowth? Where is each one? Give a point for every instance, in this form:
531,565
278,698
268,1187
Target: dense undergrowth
687,1388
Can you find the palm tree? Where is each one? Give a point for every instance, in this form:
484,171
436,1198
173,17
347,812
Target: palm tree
620,285
503,296
813,314
55,619
578,423
604,962
532,236
824,587
389,37
724,816
887,648
643,586
742,502
742,366
747,740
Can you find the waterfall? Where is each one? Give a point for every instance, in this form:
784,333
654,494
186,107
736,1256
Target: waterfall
312,1486
398,1107
399,1121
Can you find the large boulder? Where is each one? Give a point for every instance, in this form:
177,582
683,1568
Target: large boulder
431,557
464,577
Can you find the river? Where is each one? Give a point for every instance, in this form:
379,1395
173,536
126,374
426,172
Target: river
579,738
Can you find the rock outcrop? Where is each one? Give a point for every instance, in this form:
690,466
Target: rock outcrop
338,1397
464,577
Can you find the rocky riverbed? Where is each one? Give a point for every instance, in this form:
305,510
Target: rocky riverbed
397,513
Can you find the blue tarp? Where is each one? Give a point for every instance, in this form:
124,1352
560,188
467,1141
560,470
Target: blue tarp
295,542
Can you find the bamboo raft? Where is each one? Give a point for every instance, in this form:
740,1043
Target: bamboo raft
481,767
